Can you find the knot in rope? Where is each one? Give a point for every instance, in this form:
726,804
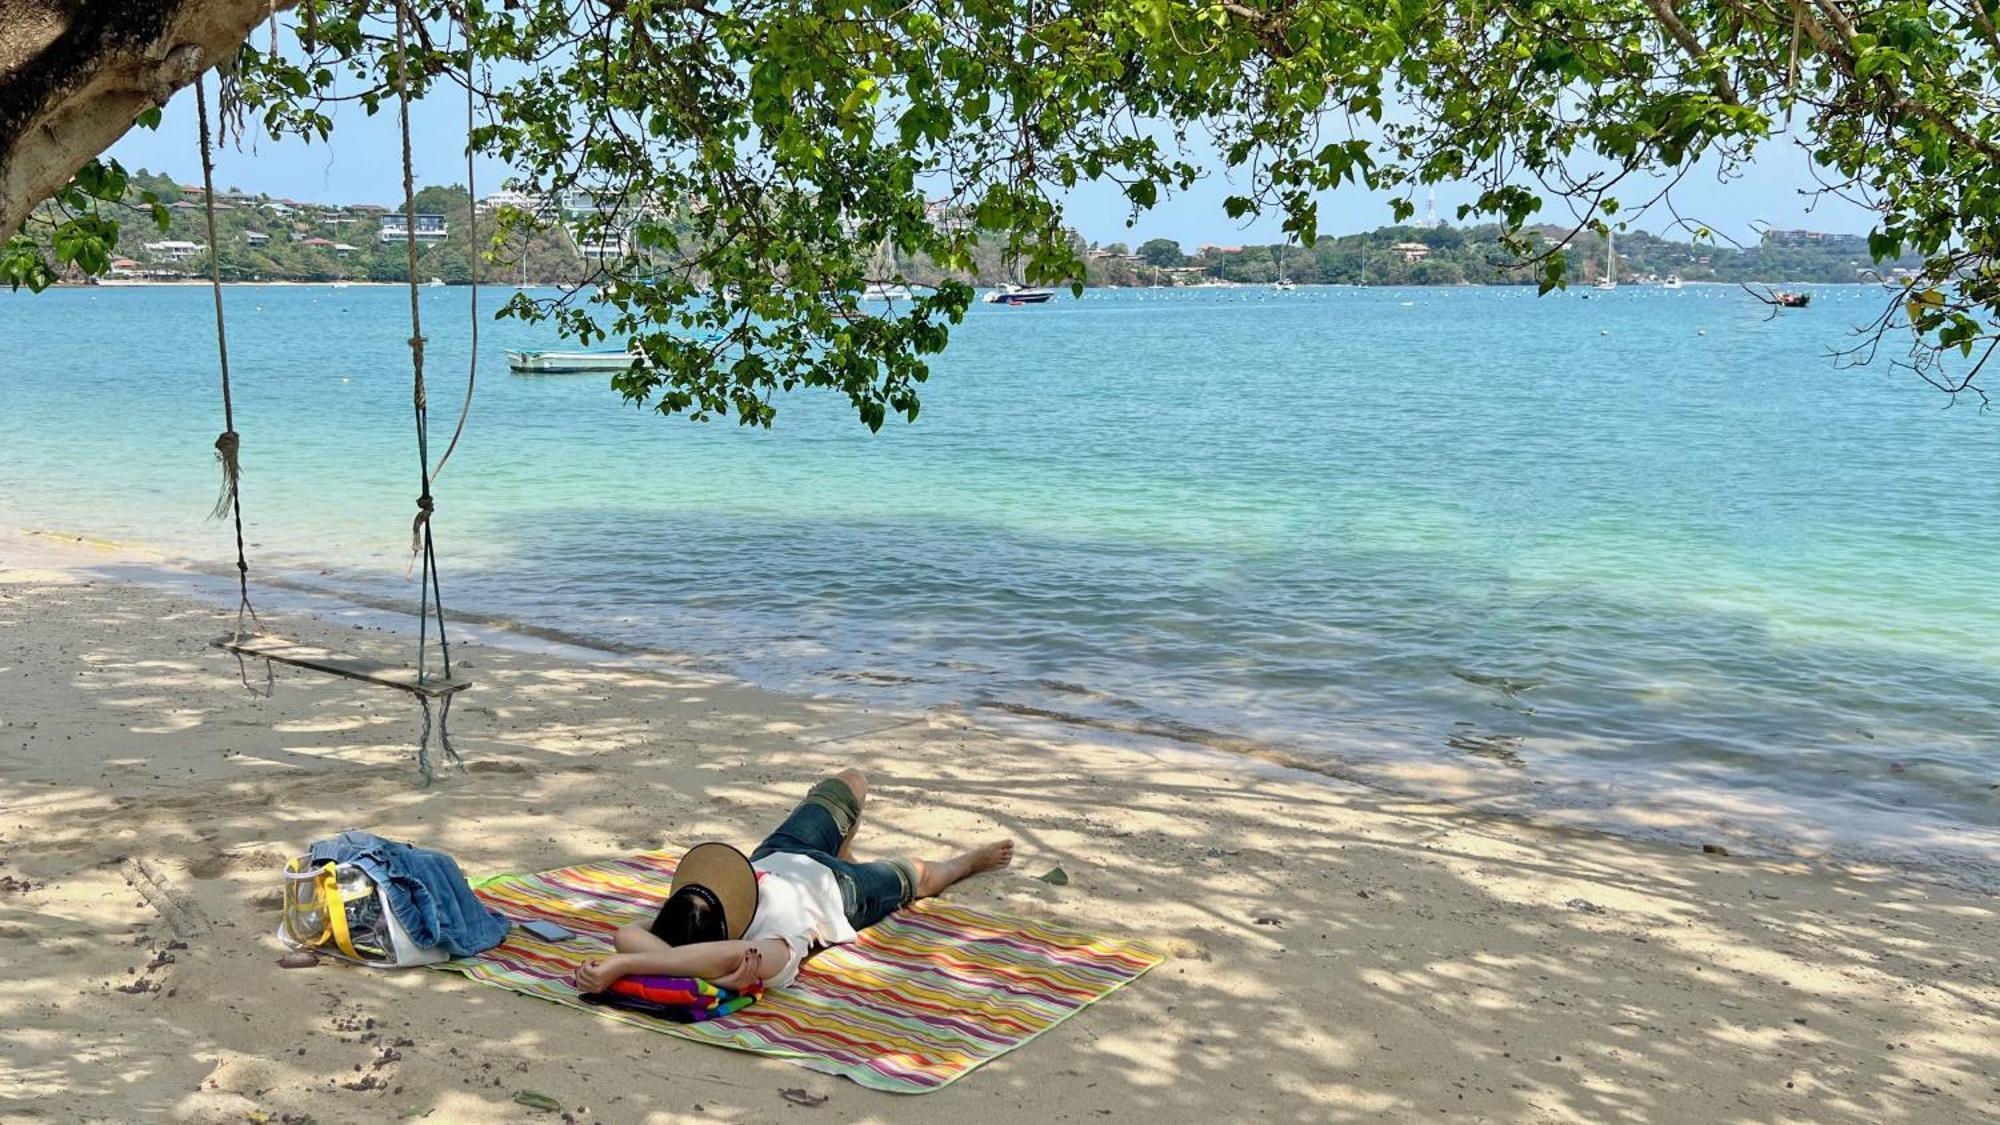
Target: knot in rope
227,446
425,506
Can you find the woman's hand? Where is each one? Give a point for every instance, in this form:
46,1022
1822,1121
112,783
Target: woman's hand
596,976
744,974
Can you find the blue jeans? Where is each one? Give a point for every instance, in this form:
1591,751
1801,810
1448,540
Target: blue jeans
869,892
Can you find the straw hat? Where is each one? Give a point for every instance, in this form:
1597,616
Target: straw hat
727,876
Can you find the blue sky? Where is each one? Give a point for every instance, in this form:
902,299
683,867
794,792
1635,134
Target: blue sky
363,164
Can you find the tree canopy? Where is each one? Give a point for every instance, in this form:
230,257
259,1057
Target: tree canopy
761,162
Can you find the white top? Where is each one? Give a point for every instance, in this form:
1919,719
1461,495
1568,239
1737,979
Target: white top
798,903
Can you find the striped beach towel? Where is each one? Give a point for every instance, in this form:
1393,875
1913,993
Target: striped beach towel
919,1002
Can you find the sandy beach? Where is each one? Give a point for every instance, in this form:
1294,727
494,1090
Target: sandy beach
1339,953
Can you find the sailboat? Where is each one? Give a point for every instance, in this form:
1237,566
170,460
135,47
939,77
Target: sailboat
1610,279
1281,285
882,263
524,273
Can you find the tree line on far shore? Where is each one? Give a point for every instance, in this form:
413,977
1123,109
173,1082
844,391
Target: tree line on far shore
303,246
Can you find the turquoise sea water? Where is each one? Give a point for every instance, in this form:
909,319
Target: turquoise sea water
1648,558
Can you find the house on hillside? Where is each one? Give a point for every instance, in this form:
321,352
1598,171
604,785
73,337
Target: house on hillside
430,228
597,245
174,250
256,238
1411,251
537,205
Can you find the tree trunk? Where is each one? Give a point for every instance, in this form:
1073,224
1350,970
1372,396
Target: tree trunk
74,74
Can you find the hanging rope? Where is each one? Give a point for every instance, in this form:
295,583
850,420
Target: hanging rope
430,597
228,444
471,253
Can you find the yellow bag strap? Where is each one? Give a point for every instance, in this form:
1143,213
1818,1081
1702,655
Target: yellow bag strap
336,910
293,908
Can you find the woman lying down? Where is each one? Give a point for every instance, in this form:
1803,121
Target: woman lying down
735,922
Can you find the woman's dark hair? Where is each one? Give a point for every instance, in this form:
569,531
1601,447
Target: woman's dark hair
691,915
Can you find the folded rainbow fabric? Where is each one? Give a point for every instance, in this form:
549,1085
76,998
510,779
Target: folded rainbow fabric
681,999
923,999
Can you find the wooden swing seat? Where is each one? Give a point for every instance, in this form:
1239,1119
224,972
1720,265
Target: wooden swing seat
402,677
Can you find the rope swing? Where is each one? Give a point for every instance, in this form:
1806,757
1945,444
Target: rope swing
434,691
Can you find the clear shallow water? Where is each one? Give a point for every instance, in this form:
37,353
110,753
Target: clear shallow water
1570,553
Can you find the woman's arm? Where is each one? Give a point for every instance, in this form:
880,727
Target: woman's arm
731,964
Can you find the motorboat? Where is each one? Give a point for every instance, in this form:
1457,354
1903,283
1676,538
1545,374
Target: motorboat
1673,281
570,363
1019,295
1792,300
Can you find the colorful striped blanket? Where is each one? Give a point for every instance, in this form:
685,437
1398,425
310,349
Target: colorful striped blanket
919,1002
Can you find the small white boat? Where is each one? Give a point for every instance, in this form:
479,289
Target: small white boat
1610,279
569,363
1673,281
342,284
435,283
1018,295
879,292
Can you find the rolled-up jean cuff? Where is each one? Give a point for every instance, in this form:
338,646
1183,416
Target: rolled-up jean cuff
833,795
906,870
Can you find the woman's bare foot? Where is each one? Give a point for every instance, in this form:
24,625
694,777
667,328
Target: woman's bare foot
934,876
991,857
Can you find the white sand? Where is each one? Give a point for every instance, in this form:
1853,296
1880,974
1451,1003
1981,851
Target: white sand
1422,961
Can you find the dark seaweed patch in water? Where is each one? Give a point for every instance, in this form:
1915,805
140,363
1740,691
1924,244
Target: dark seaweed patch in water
1502,748
868,676
1508,686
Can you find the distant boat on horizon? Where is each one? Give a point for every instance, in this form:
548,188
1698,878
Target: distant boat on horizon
1792,300
1282,285
1011,294
569,363
1673,281
876,291
1610,278
435,283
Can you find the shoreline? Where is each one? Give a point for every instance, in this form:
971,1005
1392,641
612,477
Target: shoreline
1339,953
1680,819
